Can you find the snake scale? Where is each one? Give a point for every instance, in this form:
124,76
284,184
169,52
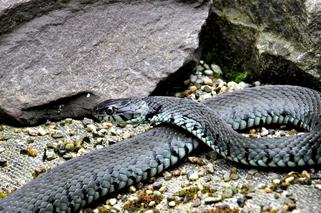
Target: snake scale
78,182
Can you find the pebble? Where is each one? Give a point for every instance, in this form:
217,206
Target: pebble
112,201
216,69
87,121
132,189
91,128
227,193
50,154
2,149
152,203
240,201
210,200
157,193
210,168
126,135
208,72
192,175
196,202
289,180
32,131
193,78
264,132
172,204
176,173
57,135
167,175
208,81
157,185
149,211
163,189
207,88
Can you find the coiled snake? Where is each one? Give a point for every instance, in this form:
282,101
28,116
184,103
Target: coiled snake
80,181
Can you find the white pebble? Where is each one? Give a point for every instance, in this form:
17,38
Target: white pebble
264,132
112,201
193,176
172,204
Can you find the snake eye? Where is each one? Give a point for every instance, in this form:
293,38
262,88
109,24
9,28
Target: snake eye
110,110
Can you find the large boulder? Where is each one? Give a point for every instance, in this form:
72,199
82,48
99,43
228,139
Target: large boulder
58,59
276,41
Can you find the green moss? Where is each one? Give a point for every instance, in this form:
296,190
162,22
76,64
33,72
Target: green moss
188,193
236,76
3,195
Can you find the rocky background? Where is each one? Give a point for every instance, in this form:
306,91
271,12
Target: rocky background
69,54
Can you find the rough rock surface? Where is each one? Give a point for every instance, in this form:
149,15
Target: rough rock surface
69,54
278,41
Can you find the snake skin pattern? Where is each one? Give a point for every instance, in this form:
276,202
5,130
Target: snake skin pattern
80,181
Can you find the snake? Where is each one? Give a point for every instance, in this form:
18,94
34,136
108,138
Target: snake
181,125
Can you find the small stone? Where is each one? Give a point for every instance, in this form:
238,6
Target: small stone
192,175
152,203
224,89
257,83
268,190
157,193
157,185
207,88
289,180
196,160
196,202
91,128
149,192
193,78
172,204
57,135
32,131
107,125
112,201
192,88
208,72
2,149
50,155
148,211
163,189
132,189
167,175
227,193
210,200
208,81
226,177
276,181
87,121
29,151
68,121
30,140
210,168
42,131
69,146
293,132
216,69
264,132
126,135
240,201
176,173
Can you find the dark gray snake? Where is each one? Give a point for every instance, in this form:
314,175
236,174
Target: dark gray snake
80,181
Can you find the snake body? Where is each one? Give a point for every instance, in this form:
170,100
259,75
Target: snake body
80,181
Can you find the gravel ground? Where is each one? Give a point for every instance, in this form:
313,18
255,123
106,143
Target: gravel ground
204,182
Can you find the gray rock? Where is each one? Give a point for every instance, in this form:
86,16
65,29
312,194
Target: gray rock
61,60
278,41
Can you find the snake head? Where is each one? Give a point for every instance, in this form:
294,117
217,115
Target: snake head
122,111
